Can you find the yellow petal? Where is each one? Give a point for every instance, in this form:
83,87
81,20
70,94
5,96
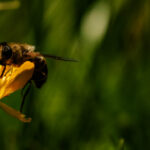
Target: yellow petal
15,78
14,113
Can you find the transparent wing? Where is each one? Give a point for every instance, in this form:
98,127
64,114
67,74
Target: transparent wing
59,58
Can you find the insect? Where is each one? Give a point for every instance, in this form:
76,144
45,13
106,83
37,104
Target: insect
15,54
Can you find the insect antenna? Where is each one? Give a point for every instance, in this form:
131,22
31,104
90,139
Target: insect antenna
59,58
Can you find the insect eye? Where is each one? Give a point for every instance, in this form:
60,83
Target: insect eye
6,52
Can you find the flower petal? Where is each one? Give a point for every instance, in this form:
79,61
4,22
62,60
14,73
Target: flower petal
15,78
14,113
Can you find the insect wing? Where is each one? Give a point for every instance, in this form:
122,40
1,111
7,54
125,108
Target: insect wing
59,58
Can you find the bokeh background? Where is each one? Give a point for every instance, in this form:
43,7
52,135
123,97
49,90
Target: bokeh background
100,103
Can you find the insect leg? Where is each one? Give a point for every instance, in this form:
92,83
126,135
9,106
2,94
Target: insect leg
25,94
3,71
10,70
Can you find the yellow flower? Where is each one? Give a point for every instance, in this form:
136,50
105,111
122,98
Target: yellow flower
15,78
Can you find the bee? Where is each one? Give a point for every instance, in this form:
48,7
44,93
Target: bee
15,54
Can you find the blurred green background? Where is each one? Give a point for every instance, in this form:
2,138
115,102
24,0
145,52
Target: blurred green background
100,103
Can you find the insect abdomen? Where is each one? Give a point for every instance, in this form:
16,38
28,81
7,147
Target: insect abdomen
40,72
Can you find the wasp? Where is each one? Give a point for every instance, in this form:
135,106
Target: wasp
15,54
